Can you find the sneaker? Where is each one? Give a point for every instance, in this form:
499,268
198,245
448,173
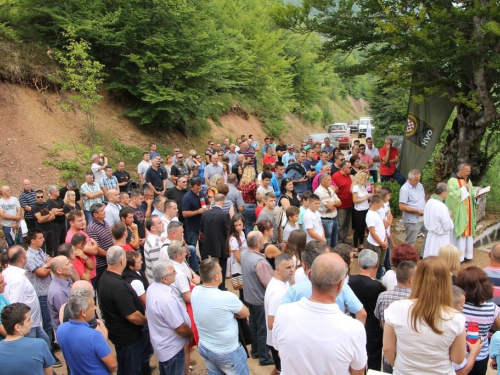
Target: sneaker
57,364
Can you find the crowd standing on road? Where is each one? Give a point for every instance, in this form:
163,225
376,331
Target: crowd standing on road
140,259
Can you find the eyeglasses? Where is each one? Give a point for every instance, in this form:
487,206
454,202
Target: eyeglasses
342,159
180,157
37,197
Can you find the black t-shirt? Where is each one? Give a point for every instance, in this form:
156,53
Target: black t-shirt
44,210
280,148
57,203
122,177
334,169
117,300
140,220
64,190
156,177
367,290
177,195
294,200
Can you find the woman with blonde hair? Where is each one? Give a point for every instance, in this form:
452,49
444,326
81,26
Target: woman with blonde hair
70,204
425,331
360,197
451,256
248,189
216,181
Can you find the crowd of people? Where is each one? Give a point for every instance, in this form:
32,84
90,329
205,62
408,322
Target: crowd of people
140,259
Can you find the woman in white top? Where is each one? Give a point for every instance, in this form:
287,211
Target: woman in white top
424,334
236,243
400,253
360,197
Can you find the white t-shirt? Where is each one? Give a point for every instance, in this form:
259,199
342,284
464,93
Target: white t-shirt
264,190
289,229
361,190
9,206
373,219
233,245
315,338
425,352
98,174
143,167
389,280
300,275
383,212
312,220
181,284
275,291
213,312
138,286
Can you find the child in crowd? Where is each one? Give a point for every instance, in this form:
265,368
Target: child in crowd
292,216
377,238
304,206
259,197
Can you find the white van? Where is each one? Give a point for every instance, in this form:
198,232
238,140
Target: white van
364,122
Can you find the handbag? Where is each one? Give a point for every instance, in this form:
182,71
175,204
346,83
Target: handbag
236,279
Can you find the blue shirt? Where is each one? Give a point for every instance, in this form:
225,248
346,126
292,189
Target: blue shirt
83,348
25,356
3,303
346,298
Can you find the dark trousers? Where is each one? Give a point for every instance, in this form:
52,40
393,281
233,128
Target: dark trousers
30,223
174,366
147,351
396,176
223,265
46,321
374,174
59,233
48,235
359,226
480,367
192,239
129,358
99,271
374,336
259,333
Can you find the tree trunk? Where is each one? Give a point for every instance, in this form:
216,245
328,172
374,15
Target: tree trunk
463,145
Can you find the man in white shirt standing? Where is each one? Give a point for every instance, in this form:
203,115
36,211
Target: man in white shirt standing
275,291
336,341
98,167
113,208
215,313
153,244
10,213
312,221
168,321
143,167
373,152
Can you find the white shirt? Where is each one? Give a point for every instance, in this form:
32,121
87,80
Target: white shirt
315,338
138,286
112,214
9,206
326,196
300,275
98,174
181,284
425,352
166,221
361,190
143,167
165,314
19,289
373,219
373,152
389,280
275,291
312,220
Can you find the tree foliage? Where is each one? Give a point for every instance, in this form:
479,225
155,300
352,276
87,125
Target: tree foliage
456,44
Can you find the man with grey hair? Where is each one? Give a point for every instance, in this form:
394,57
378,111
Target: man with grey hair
60,286
85,350
461,201
234,194
124,315
437,220
368,289
168,321
257,273
215,313
56,205
181,289
412,204
327,334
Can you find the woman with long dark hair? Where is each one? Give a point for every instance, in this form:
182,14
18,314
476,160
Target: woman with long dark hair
236,243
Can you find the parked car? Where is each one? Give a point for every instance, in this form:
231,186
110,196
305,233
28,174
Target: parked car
338,126
319,138
342,137
364,122
354,126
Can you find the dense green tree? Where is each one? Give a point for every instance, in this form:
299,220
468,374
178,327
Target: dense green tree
456,44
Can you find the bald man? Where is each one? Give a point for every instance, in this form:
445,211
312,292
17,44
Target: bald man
60,286
113,207
10,215
27,200
335,340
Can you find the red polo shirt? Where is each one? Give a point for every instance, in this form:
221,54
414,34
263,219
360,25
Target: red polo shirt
384,170
343,182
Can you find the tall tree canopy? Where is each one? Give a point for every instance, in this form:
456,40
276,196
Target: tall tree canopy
455,43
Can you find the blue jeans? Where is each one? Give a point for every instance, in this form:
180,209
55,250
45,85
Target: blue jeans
249,215
46,321
192,239
88,216
193,259
147,351
234,363
174,366
396,176
331,227
129,358
259,333
9,239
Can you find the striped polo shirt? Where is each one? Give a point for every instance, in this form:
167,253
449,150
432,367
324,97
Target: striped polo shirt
485,316
101,233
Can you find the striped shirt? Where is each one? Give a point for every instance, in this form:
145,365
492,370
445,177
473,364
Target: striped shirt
485,316
108,183
151,254
88,202
386,298
34,260
494,276
27,199
101,233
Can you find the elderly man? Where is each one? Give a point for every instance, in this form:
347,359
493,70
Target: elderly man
412,204
168,321
437,220
342,179
212,169
113,207
234,194
275,291
153,243
99,163
389,157
92,194
335,340
232,154
85,349
156,178
215,313
124,314
10,213
257,273
159,206
27,200
175,231
462,204
122,176
328,209
60,287
367,289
